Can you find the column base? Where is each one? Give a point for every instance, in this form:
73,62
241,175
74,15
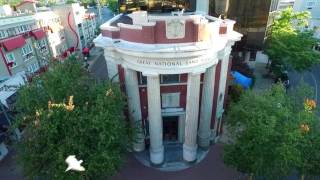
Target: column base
189,153
157,156
138,146
204,142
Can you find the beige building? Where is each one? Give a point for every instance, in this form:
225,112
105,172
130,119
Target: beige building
51,24
80,26
23,46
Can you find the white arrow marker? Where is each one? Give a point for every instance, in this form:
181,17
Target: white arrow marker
74,164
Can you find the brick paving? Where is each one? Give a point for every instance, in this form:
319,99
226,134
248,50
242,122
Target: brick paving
211,168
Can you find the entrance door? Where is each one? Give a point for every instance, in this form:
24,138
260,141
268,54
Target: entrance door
170,128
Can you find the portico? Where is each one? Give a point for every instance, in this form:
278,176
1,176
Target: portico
170,77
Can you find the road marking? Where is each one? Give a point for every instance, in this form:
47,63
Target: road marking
315,82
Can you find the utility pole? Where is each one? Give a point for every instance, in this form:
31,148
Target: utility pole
99,11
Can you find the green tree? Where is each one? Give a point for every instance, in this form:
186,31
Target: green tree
268,137
289,44
66,113
10,2
113,5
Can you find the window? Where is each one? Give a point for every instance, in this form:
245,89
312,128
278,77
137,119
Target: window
61,34
27,52
168,79
3,34
32,68
142,79
311,4
42,45
170,100
11,59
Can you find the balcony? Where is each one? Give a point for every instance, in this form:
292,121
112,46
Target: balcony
28,56
166,28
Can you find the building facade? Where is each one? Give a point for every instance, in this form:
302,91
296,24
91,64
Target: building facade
174,67
313,6
80,26
51,25
23,46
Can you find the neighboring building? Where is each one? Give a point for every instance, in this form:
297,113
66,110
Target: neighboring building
174,67
5,10
275,9
313,6
23,45
251,17
80,26
51,24
8,92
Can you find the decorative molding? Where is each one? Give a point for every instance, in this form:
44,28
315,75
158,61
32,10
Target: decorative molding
175,28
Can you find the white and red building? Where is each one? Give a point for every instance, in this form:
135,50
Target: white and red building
174,68
79,25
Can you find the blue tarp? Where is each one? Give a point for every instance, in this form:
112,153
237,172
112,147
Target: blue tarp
241,79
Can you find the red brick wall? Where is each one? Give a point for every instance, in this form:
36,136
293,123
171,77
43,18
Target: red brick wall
160,31
216,91
111,34
146,35
157,34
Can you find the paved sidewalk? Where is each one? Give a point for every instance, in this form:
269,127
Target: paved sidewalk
9,170
261,82
211,168
95,54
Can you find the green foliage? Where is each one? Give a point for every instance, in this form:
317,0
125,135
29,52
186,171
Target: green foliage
289,44
113,6
94,129
235,92
266,135
10,2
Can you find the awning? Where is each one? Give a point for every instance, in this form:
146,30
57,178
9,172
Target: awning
13,43
38,34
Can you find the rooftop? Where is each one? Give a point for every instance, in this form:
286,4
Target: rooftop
165,28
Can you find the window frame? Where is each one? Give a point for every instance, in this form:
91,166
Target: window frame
310,4
173,95
26,54
13,59
162,79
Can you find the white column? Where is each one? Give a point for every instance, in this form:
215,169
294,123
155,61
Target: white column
191,124
132,89
155,119
222,87
206,107
112,68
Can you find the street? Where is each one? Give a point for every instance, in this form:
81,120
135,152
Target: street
99,68
311,78
106,14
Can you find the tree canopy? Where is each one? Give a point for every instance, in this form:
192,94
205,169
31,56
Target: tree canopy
274,133
65,112
289,43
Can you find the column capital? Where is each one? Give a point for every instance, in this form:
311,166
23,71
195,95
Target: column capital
150,74
198,71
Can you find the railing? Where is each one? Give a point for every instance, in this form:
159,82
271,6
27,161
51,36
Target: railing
28,56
